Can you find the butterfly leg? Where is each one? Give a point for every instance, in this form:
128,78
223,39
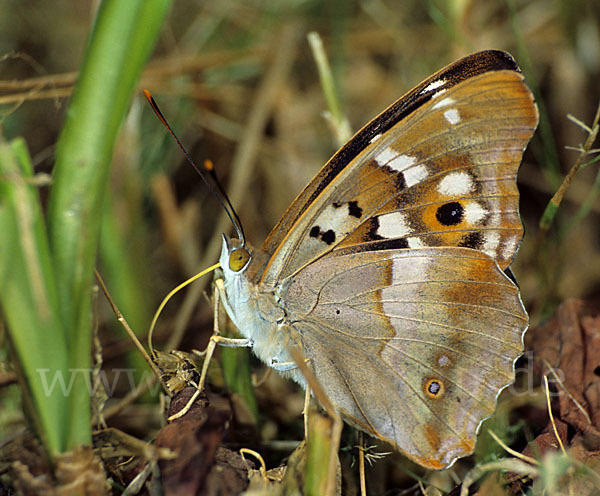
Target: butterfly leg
336,430
282,366
216,338
207,354
361,464
305,410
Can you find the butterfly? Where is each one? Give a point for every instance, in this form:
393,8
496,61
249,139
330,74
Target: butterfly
389,270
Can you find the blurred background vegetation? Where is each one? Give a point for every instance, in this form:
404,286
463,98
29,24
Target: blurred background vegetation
237,81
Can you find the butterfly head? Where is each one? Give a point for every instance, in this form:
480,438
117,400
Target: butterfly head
239,268
235,256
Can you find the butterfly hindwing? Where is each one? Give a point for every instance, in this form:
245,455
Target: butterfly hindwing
412,346
437,168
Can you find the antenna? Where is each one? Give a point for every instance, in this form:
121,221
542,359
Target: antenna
213,185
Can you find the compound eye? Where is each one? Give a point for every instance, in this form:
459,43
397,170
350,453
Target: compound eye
238,259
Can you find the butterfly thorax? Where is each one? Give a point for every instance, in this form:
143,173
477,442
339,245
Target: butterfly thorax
253,307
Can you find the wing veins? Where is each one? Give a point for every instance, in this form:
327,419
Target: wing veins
434,324
450,381
409,386
428,302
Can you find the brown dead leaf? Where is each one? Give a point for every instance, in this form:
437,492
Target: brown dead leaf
546,441
196,438
77,472
569,343
228,475
574,474
27,449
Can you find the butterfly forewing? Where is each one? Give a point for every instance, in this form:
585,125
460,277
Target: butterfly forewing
443,174
455,163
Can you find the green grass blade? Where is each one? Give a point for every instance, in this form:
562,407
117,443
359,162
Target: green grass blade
124,264
28,297
236,369
122,38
